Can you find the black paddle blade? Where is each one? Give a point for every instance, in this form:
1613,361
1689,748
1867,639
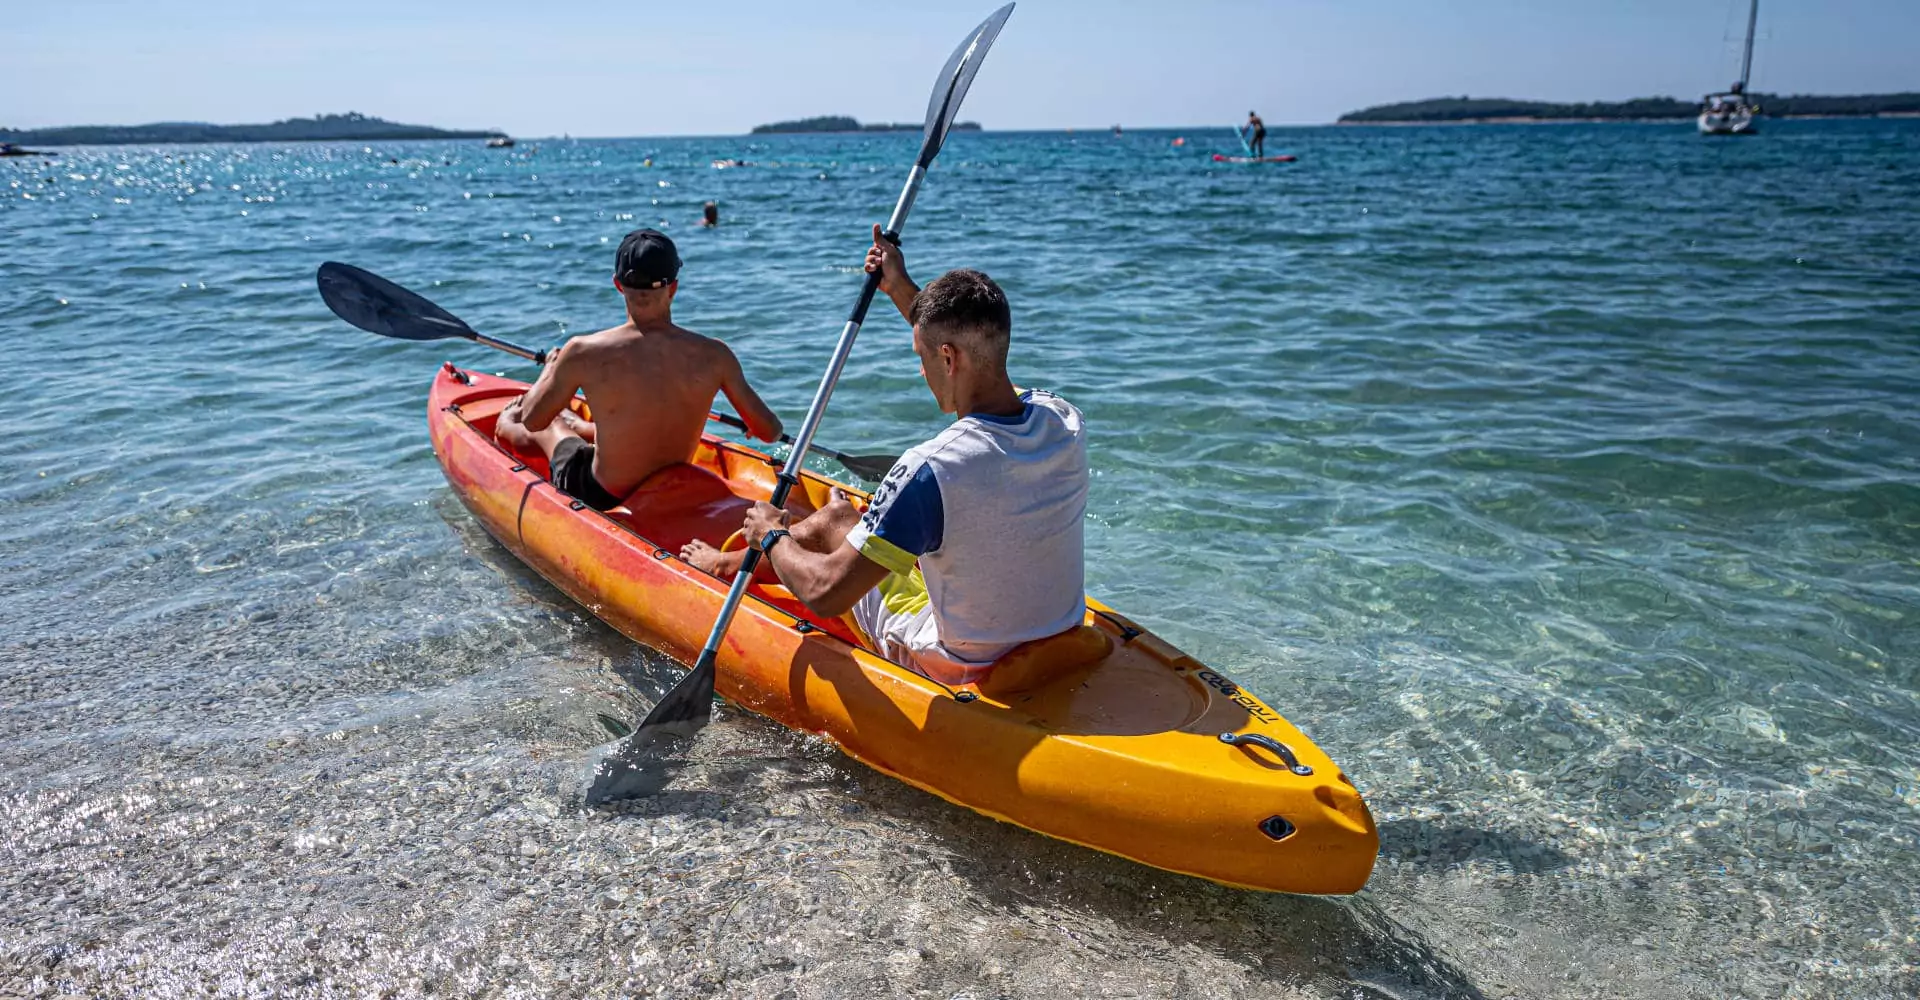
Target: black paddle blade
377,305
872,468
635,767
950,87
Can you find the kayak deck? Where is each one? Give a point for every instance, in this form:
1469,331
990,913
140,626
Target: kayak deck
1107,736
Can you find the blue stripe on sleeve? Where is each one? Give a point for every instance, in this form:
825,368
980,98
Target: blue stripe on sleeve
915,519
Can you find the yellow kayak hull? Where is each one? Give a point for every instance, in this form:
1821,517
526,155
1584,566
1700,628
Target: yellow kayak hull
1114,740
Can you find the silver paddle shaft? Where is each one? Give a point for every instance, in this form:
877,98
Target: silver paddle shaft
790,473
537,357
844,349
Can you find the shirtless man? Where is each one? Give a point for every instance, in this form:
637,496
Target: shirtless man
648,381
973,543
1257,142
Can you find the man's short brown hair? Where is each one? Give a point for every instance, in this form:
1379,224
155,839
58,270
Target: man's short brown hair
965,306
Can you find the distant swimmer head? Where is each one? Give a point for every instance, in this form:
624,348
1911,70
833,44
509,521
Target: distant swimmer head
710,214
961,328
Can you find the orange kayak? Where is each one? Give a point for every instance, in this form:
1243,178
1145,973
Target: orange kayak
1107,736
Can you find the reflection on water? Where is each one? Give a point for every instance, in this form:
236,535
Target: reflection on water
1577,525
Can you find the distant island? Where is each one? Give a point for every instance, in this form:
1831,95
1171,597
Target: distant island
1500,109
841,123
350,126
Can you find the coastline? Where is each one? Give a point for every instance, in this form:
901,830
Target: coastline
350,127
1528,120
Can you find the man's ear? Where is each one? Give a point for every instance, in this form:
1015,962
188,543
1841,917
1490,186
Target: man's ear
950,357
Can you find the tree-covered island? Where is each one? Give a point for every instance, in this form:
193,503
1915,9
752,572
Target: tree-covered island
842,123
1500,109
352,126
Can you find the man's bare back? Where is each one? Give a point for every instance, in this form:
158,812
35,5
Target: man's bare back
648,384
649,393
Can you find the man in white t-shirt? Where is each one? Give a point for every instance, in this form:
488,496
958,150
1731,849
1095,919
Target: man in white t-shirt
973,543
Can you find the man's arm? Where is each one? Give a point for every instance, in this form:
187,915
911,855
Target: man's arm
552,391
762,422
829,583
832,568
829,576
885,257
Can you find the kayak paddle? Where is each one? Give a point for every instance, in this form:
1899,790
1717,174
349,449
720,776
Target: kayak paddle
869,467
377,305
623,772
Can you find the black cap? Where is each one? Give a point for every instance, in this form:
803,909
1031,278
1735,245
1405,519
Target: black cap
647,259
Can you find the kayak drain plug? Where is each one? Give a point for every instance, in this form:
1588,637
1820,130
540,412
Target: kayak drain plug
1276,827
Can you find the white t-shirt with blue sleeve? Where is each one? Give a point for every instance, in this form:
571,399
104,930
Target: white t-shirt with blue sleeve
991,510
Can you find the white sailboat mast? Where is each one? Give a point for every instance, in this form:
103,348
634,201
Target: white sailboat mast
1746,60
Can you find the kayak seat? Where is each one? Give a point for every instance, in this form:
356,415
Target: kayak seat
679,504
1035,664
683,502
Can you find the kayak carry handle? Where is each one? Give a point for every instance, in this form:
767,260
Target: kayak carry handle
1281,750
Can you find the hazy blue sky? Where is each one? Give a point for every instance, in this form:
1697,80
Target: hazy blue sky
636,68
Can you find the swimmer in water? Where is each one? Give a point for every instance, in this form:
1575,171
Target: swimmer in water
710,214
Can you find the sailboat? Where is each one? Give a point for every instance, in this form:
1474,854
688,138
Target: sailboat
1732,113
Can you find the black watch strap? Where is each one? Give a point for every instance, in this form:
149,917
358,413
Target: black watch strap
767,541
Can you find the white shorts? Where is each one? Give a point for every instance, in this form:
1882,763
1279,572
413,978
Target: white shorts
896,621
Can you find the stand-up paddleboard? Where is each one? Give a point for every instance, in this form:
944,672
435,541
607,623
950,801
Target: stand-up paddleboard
1223,158
1240,133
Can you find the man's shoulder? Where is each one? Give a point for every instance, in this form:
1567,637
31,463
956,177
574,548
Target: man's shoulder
1058,405
923,461
968,441
707,348
674,337
587,343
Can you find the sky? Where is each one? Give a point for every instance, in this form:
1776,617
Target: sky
593,68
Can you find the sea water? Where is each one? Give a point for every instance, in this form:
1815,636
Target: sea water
1562,482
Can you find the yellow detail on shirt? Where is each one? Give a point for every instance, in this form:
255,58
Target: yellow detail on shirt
904,593
881,551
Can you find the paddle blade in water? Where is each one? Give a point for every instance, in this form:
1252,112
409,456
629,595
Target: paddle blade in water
635,767
950,87
377,305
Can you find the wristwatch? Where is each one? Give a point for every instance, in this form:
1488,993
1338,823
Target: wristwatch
767,540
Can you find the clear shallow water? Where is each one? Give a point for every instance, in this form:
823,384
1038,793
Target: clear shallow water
1563,482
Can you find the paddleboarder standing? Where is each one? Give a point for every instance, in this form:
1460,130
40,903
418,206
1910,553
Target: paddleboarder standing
1257,142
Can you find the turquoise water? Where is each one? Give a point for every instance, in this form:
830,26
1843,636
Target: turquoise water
1562,482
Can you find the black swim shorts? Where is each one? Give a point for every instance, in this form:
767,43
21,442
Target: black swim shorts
573,473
